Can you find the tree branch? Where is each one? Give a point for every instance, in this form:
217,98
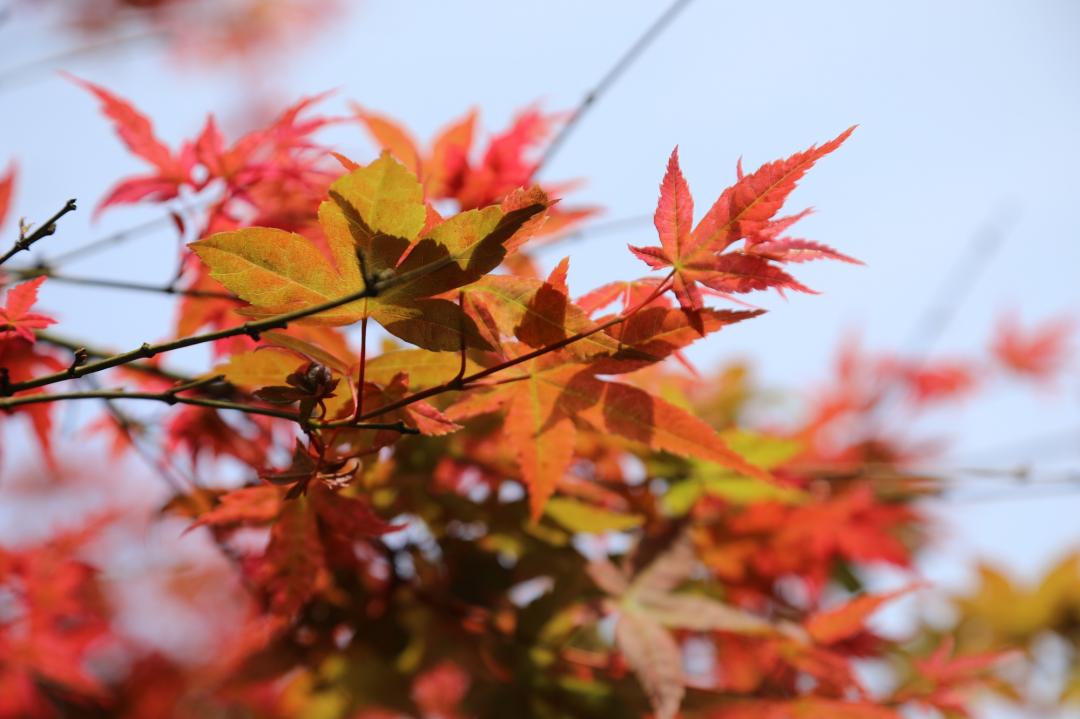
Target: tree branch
621,66
29,273
49,227
959,281
251,329
97,353
101,243
23,73
171,397
460,382
131,430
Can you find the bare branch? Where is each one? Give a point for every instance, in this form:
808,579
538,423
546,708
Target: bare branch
172,397
97,353
251,329
958,283
621,66
26,72
131,429
460,382
47,228
95,246
28,273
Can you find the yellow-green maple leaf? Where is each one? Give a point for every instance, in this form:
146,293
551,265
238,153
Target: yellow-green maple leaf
372,223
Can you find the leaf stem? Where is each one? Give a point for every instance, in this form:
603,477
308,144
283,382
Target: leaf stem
363,367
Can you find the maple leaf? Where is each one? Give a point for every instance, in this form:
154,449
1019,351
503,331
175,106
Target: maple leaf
422,369
578,516
944,680
448,161
770,539
7,188
653,334
55,612
396,140
545,398
372,221
791,249
137,133
647,607
930,381
16,320
655,657
20,361
438,690
302,471
1017,613
1038,353
744,210
630,293
536,312
202,432
290,570
747,207
247,505
448,172
848,619
420,416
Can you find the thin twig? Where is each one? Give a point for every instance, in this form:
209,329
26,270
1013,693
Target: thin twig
958,283
251,329
127,427
28,273
1015,493
363,369
101,243
621,66
459,382
1064,440
49,227
29,70
97,353
171,397
462,344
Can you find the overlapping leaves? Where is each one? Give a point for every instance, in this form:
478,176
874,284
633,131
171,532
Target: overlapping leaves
379,241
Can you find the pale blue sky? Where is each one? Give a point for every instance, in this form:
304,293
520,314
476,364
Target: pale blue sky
968,115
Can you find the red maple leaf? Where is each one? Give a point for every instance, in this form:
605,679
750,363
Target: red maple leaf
7,187
1039,352
743,211
16,319
137,133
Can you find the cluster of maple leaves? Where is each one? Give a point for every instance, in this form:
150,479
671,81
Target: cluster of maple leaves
515,505
200,30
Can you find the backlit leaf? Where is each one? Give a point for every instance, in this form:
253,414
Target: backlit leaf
579,516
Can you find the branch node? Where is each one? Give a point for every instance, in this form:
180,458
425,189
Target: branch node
80,358
47,228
